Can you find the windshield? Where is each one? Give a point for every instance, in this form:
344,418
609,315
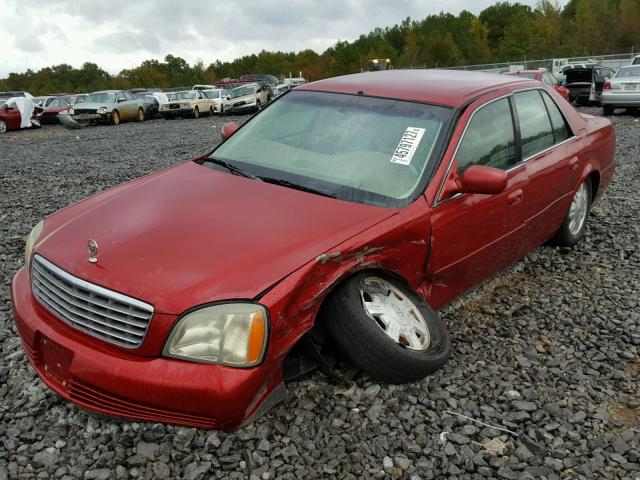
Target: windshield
628,72
240,91
101,98
212,93
182,96
357,148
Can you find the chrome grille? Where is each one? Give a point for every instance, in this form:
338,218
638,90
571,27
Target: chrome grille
105,314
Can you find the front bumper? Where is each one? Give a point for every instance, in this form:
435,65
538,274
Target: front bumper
621,99
242,107
91,117
111,381
176,112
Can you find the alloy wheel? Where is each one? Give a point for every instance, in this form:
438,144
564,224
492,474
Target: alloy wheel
578,210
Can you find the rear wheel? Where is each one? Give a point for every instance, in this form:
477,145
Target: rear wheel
574,225
115,118
140,117
196,113
386,329
3,126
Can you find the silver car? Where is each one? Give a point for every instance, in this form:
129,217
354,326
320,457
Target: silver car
621,91
108,106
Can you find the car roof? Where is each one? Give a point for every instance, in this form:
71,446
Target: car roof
517,72
108,91
451,88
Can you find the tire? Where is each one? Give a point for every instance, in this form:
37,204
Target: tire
196,113
3,126
607,110
140,116
115,118
363,339
258,105
221,109
211,111
574,224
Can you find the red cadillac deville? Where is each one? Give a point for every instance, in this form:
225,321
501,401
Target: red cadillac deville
349,209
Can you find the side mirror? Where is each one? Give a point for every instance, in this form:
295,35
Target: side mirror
229,129
482,179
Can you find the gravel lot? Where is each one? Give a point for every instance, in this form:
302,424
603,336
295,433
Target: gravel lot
548,350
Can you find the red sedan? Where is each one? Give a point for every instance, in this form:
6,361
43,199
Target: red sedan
10,117
50,113
544,77
350,208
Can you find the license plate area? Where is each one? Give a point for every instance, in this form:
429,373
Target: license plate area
55,359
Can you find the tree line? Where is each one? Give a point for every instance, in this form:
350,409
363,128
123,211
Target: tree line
502,32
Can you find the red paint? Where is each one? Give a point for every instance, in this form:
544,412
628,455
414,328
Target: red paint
11,116
229,129
190,235
561,89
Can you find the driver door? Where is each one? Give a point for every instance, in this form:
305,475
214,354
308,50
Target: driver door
476,235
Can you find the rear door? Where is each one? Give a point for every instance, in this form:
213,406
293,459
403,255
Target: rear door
551,154
475,235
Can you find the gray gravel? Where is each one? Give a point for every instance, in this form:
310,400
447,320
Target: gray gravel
547,351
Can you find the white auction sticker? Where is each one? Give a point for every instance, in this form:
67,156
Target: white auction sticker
408,145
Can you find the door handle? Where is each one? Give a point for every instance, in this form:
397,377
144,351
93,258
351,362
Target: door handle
573,163
514,198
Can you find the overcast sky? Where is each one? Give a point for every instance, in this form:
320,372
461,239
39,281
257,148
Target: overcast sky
118,34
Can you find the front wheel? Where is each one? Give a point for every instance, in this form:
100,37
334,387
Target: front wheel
140,117
386,329
258,105
211,111
574,225
222,109
115,118
196,113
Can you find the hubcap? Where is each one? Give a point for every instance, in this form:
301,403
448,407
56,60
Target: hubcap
3,127
394,313
578,210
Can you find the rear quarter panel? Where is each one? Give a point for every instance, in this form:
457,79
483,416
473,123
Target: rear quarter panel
600,146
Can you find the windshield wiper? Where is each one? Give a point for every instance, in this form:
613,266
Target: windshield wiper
232,168
287,183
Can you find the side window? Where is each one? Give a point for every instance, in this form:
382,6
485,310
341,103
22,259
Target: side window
489,139
535,126
561,130
121,96
549,79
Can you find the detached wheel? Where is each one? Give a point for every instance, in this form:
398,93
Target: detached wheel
196,113
607,110
3,126
574,225
386,329
140,117
115,118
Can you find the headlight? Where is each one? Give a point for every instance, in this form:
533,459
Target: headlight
102,110
233,334
31,240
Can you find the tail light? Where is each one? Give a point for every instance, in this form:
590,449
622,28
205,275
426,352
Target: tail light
607,85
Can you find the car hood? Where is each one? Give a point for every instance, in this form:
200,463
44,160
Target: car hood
191,235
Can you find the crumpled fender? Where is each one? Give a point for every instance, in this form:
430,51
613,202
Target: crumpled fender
398,245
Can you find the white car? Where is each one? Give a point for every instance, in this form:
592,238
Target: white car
247,97
219,97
